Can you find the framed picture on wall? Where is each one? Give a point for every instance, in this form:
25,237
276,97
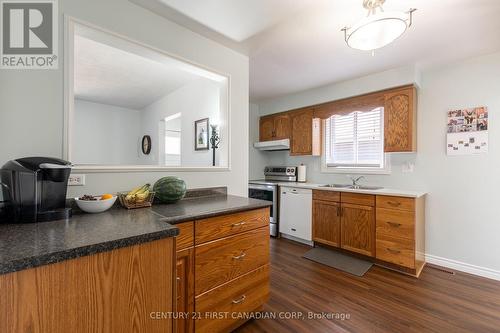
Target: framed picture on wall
201,134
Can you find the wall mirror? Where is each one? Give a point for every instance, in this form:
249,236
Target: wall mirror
134,107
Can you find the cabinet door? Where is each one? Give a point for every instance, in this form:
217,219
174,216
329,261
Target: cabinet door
266,129
358,229
184,291
400,121
302,132
326,222
281,126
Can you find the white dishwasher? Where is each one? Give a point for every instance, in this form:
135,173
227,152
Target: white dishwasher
296,212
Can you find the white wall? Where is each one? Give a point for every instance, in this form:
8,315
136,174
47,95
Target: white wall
31,101
105,134
257,159
196,100
461,214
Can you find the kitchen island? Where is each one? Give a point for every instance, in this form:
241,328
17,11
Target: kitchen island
109,272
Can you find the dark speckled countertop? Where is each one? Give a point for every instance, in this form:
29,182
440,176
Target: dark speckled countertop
25,246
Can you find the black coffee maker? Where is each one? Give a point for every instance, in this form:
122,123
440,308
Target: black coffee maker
34,189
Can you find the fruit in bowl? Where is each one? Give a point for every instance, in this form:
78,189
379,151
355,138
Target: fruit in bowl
95,204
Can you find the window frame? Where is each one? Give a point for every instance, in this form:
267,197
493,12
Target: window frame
325,168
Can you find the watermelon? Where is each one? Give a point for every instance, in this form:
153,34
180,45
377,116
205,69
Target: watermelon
169,189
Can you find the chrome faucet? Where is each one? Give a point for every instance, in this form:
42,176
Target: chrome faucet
356,180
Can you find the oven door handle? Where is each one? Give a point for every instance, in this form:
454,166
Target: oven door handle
271,188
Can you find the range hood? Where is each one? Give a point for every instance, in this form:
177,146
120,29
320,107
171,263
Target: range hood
273,145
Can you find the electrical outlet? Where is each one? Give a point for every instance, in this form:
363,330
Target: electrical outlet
76,180
408,167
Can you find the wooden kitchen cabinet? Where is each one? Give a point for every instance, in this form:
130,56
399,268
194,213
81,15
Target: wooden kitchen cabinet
301,142
185,290
400,235
184,295
358,229
345,220
113,291
400,123
390,229
274,127
266,128
326,222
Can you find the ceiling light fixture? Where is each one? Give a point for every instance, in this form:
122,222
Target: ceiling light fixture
377,29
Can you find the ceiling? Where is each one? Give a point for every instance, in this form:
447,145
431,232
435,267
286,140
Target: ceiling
294,45
109,75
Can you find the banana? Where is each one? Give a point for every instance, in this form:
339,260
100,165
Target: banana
132,195
141,197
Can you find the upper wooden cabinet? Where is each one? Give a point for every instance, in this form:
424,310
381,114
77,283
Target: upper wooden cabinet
301,142
274,127
400,125
303,126
299,126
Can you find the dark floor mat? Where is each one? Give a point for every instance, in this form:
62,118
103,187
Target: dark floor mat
338,260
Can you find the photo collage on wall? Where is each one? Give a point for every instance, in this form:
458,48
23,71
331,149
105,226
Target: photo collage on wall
467,131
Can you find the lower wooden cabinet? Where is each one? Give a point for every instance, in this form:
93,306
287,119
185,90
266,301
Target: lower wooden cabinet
242,295
338,221
222,265
120,290
185,290
326,222
389,229
223,260
358,229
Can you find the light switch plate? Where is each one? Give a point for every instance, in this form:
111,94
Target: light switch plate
76,180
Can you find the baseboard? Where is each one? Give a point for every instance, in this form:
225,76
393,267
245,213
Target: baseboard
463,267
296,239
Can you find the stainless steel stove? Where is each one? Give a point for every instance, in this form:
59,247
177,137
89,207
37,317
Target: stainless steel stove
267,189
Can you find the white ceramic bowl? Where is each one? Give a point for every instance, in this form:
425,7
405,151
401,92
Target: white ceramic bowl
95,206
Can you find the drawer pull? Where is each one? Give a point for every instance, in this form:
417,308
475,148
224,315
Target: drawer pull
241,256
178,279
238,224
394,224
240,300
394,203
393,251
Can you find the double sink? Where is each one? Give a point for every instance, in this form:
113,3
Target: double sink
353,187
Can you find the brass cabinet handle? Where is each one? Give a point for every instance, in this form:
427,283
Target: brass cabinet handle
178,279
238,224
393,203
394,224
241,256
393,251
338,210
240,300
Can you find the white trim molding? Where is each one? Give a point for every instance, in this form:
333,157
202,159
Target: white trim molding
463,267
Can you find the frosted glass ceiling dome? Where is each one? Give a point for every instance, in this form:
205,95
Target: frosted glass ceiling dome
377,29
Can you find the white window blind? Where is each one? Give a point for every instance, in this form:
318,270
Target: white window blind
355,140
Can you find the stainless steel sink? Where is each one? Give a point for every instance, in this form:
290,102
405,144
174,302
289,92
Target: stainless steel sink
337,185
352,187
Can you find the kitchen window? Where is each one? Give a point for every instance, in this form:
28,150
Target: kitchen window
355,143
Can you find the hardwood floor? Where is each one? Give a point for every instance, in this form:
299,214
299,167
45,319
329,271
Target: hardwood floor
381,301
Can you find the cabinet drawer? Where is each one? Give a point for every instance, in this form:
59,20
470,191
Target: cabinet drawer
326,195
243,294
358,199
395,250
395,202
220,261
397,223
226,225
185,238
